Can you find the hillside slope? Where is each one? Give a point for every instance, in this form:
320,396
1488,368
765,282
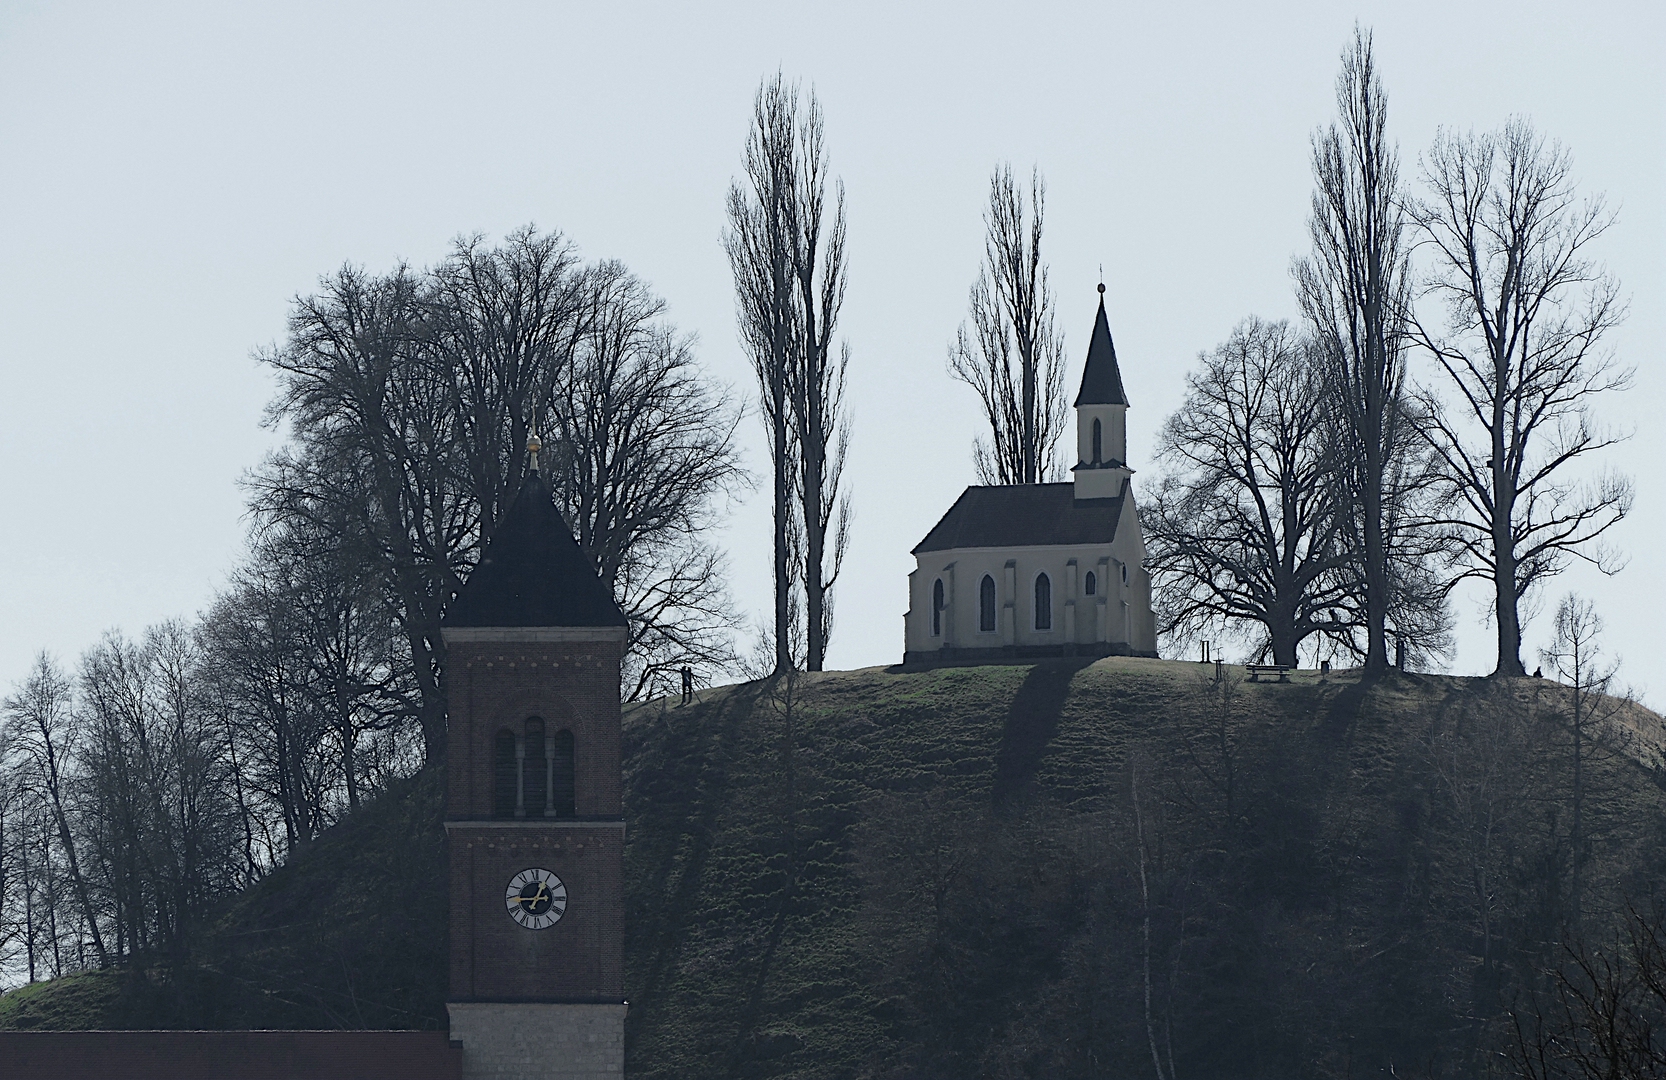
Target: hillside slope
980,871
939,873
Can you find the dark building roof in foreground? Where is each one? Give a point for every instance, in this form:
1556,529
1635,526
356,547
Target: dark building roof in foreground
1023,515
1101,378
533,573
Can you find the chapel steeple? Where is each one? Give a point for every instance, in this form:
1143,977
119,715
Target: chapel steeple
1101,468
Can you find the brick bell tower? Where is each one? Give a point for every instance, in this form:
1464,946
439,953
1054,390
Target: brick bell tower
533,815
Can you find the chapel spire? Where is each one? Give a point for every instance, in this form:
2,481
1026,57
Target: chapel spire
1101,378
1101,469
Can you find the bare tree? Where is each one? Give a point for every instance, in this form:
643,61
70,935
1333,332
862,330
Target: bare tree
1246,527
760,248
1353,291
1011,356
153,805
410,397
375,447
40,715
821,422
348,641
1575,657
1526,314
258,661
642,446
1605,1015
786,248
505,322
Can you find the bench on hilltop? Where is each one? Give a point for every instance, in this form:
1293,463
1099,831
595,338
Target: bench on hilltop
1257,670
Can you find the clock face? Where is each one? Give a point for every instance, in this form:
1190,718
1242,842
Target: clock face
536,899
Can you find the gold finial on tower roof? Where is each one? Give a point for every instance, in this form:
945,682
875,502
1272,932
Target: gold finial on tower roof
533,446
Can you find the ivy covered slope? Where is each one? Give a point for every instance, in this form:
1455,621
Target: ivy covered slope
971,871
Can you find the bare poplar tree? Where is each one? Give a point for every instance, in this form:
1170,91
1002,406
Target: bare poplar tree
1526,314
1354,291
1246,525
822,425
1012,356
786,247
760,252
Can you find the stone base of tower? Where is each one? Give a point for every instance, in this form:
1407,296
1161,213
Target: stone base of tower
527,1041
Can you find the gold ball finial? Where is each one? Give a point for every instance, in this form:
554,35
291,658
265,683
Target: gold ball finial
532,448
1101,288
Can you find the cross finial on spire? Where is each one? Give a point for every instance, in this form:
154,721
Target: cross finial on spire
533,446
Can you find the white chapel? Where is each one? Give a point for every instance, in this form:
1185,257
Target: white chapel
1034,570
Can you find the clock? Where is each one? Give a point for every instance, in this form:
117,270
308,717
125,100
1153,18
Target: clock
536,899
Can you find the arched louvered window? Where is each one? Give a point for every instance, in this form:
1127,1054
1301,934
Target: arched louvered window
505,775
1043,602
937,608
535,774
986,605
563,792
1091,585
1097,439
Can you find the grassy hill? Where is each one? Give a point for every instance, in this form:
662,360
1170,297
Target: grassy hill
1051,869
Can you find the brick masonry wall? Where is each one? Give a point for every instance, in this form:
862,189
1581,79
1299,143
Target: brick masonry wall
230,1055
567,684
494,958
572,685
548,1042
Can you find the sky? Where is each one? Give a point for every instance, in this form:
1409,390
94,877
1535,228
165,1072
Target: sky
173,175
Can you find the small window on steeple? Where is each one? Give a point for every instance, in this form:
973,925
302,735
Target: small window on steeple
1097,441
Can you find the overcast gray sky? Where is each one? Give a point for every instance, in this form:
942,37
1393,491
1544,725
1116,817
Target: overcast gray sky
173,174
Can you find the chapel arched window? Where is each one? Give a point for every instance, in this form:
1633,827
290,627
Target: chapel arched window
1043,602
937,608
986,605
1090,585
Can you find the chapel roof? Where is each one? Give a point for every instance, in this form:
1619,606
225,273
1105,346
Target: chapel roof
1101,378
1023,515
533,573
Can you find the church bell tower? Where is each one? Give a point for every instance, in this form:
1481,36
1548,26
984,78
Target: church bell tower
1101,469
534,821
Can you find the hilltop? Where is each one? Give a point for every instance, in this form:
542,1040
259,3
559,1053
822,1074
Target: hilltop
957,872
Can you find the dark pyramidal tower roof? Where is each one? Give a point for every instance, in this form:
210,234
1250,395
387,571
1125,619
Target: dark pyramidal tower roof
533,573
1102,379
